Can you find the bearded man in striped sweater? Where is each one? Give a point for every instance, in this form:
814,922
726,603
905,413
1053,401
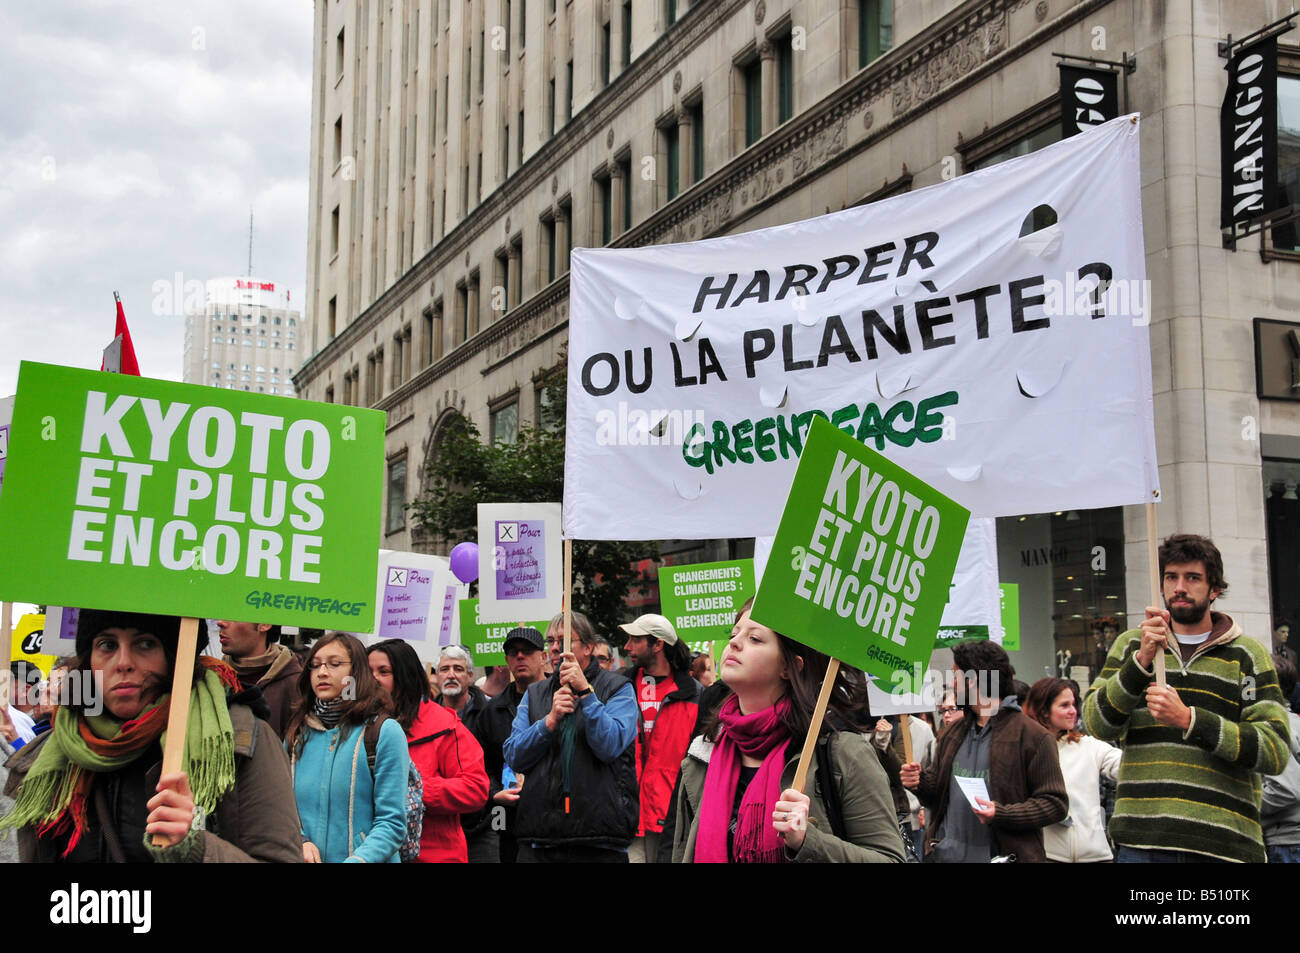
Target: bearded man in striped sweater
1195,750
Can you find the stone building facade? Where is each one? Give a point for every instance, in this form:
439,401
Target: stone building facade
460,148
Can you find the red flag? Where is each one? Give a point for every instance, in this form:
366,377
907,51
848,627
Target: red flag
129,363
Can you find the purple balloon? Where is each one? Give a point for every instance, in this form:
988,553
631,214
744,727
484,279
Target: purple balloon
464,561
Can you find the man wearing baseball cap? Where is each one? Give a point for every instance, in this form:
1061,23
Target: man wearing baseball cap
668,702
525,658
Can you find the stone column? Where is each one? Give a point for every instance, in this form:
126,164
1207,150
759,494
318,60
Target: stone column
513,278
685,150
767,53
561,240
616,186
616,63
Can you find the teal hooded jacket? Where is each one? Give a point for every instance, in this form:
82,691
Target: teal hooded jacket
350,816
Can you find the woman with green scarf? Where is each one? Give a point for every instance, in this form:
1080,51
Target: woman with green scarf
89,790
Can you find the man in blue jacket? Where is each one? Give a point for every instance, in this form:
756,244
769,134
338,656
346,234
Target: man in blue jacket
573,737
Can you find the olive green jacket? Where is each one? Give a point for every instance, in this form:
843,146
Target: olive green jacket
870,824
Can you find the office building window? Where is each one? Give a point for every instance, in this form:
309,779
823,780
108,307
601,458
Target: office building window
673,156
1287,237
500,301
334,231
1020,147
566,246
875,29
339,58
626,165
784,78
605,201
462,313
627,32
548,239
338,141
752,75
604,53
504,423
550,108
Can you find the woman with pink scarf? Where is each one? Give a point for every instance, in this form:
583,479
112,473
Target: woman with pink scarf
736,802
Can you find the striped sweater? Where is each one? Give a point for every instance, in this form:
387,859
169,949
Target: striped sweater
1196,791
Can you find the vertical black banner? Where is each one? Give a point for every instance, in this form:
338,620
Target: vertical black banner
1089,97
1248,134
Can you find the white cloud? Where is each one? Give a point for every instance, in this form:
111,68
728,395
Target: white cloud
128,155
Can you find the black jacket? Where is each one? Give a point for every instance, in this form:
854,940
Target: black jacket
602,800
496,721
473,718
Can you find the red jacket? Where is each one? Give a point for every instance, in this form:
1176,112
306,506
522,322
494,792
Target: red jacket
657,768
450,762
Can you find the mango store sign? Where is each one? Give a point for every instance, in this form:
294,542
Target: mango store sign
131,493
880,550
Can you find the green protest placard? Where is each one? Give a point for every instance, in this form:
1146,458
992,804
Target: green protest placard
875,549
701,599
1010,616
1009,594
486,640
124,492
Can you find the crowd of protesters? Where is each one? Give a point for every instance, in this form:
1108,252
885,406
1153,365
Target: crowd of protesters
343,753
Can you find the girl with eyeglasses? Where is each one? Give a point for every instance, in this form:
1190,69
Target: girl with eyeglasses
352,810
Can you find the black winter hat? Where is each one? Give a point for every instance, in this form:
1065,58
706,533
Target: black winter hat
91,622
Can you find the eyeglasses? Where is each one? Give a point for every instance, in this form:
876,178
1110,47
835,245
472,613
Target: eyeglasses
603,658
334,664
947,709
555,641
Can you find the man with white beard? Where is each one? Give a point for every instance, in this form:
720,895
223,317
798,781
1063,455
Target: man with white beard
456,690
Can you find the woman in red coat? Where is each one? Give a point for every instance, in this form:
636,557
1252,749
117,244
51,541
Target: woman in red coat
448,757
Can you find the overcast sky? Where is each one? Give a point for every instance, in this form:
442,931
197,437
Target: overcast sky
134,138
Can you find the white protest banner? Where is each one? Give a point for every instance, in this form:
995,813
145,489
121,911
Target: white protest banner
926,326
520,567
973,598
418,601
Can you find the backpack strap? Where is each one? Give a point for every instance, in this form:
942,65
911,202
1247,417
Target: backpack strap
829,790
371,738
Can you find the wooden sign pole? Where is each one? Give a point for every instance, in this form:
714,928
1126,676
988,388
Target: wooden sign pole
568,596
815,729
905,726
6,638
1157,590
179,711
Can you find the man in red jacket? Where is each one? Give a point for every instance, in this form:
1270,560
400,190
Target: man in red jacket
668,700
